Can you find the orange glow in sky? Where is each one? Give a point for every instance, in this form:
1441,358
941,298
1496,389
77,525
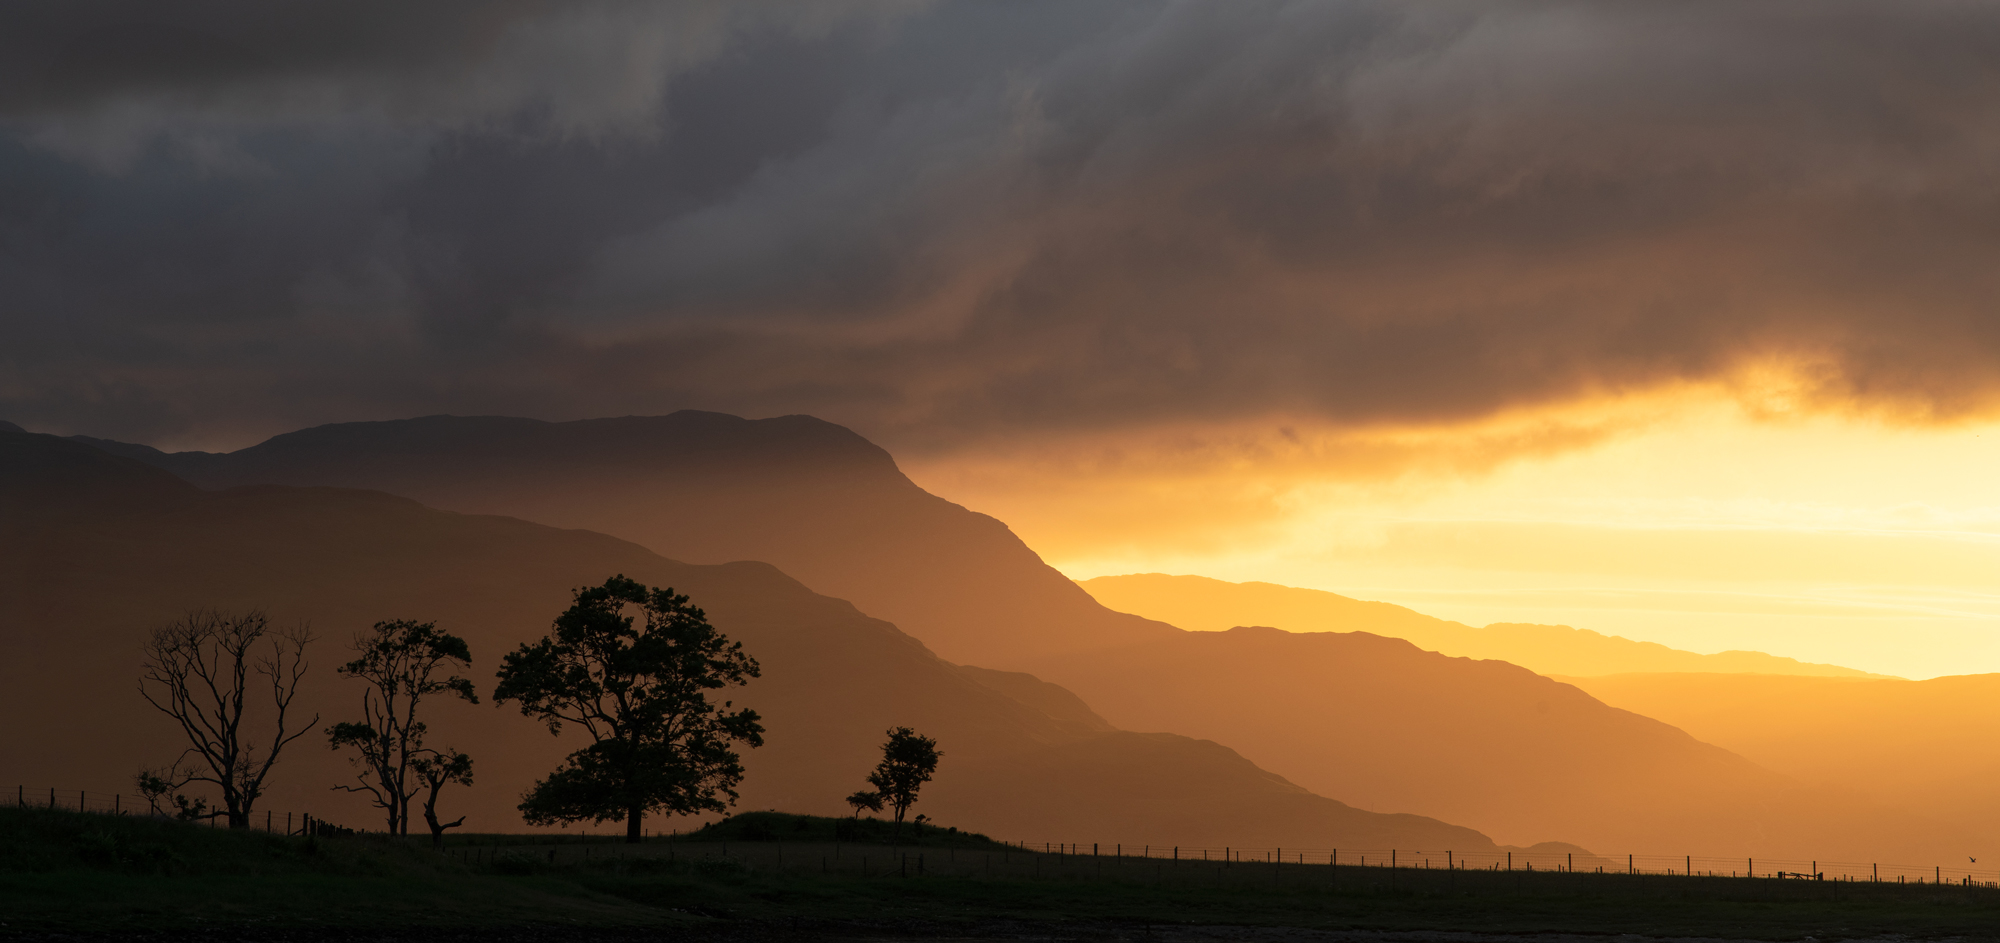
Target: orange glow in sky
1687,519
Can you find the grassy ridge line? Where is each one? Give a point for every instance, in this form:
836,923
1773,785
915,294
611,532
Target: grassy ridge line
77,872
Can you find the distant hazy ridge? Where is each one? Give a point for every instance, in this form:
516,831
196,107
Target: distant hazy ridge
1208,605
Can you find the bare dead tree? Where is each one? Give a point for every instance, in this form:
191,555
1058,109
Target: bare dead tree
203,670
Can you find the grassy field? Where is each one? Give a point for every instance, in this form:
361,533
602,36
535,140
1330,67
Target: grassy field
764,874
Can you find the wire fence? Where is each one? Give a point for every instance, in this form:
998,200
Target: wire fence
1388,871
1074,859
1556,862
111,803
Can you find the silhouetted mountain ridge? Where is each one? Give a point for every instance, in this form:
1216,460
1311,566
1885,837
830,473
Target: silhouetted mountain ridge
46,478
77,596
1377,721
809,496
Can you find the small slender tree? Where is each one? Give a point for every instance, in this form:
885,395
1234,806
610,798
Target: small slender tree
908,762
400,662
203,670
435,770
163,786
872,801
659,743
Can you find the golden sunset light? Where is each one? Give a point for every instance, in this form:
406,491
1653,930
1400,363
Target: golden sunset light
1830,539
1164,470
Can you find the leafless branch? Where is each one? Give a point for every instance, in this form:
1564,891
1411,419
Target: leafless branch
197,670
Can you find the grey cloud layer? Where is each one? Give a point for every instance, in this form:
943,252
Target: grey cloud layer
944,221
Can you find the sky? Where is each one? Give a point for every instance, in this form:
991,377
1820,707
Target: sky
1666,319
1869,545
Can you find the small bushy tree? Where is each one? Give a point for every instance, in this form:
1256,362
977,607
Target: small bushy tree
163,786
872,801
909,760
659,743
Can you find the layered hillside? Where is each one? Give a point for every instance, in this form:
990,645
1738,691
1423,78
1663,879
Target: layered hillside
1388,726
1376,721
1894,741
1208,605
808,496
121,548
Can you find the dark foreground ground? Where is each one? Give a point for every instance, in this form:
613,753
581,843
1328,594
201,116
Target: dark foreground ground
73,876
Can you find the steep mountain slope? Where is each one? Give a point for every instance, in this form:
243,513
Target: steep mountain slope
78,593
807,496
1208,605
1370,719
1895,741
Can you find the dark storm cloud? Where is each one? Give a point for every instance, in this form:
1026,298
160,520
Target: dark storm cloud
949,220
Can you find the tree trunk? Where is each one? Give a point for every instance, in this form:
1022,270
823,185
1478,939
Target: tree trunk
635,818
234,809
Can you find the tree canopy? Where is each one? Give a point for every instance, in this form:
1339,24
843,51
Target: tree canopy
642,693
864,799
434,770
908,762
400,661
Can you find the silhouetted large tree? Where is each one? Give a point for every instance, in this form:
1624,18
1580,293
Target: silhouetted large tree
642,694
399,661
908,762
202,670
